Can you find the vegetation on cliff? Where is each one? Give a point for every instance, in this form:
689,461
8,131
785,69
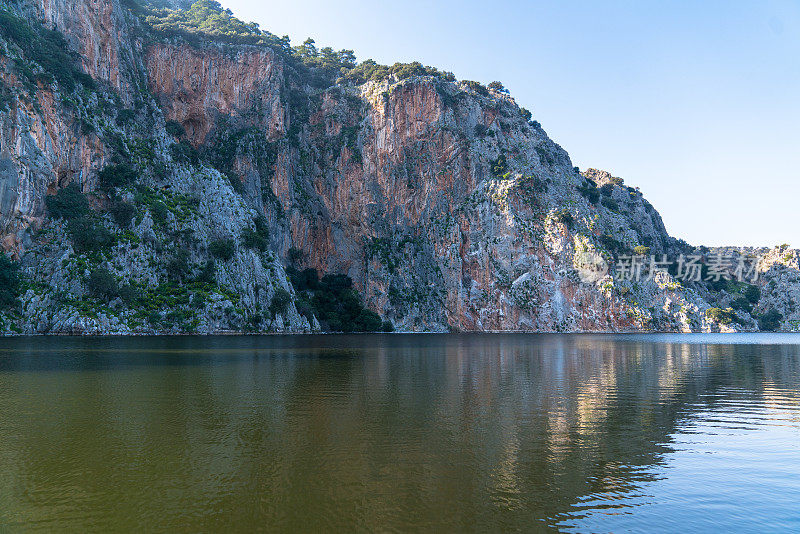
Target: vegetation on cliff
335,302
9,282
45,57
207,19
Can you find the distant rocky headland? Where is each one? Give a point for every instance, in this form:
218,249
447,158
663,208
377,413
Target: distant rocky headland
168,168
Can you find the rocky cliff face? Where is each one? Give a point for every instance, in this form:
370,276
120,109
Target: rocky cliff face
51,137
443,202
217,87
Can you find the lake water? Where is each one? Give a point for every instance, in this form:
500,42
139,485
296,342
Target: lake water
389,433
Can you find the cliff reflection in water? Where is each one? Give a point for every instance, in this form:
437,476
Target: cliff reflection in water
452,432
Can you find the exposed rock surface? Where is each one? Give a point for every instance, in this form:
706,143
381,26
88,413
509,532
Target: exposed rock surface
197,87
445,204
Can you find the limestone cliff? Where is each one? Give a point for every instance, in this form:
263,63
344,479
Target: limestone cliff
447,206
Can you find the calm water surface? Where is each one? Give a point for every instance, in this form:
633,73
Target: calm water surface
434,433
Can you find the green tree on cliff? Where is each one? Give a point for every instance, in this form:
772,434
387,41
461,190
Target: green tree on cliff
9,281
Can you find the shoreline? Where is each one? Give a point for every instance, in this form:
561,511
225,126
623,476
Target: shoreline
481,332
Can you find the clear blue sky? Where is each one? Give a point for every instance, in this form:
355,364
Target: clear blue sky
697,103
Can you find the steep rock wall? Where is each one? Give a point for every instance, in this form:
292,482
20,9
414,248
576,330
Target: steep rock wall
52,136
447,206
196,87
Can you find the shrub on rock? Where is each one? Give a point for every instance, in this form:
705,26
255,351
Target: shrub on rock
9,281
222,249
68,203
280,302
726,316
770,321
114,176
102,284
122,212
88,236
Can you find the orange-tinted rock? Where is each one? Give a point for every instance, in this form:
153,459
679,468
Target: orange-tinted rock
197,86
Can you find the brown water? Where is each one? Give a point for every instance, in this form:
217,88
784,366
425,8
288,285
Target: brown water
444,433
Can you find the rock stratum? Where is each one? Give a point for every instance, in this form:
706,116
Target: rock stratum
167,168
